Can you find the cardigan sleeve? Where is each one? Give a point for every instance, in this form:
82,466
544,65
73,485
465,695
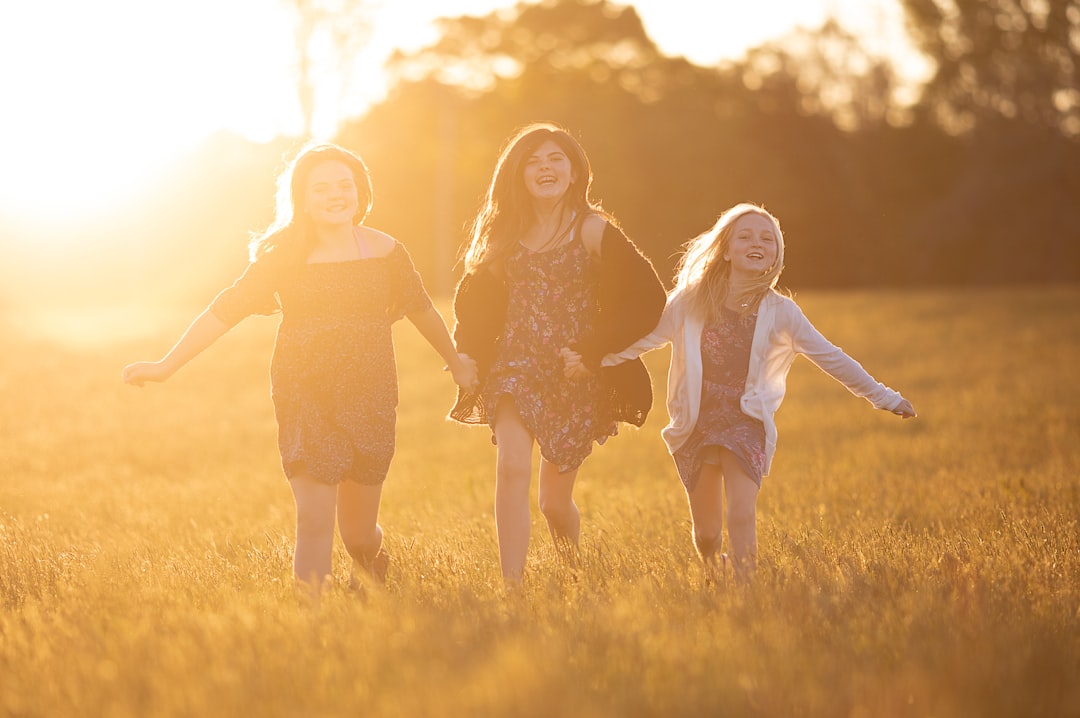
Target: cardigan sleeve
831,359
479,315
631,298
480,301
663,333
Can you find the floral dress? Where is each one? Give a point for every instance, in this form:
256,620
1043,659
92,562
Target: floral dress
552,303
333,375
725,359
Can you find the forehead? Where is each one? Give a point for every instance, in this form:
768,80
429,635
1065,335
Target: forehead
548,147
329,171
755,222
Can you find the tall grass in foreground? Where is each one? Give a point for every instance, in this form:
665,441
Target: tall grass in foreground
922,568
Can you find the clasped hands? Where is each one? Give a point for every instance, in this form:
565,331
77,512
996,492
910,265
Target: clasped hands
466,374
573,366
467,377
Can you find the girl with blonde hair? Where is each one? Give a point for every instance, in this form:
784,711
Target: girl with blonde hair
734,338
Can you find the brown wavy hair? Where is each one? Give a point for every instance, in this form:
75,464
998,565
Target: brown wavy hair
292,229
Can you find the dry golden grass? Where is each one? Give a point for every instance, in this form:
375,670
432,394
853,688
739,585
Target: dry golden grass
921,568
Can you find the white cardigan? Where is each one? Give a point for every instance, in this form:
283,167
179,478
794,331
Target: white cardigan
782,332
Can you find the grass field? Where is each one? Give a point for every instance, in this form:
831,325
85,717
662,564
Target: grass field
920,568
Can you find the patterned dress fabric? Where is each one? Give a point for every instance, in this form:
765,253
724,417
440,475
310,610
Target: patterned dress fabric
552,303
333,375
725,357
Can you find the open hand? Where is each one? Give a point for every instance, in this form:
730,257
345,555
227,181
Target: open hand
141,372
905,410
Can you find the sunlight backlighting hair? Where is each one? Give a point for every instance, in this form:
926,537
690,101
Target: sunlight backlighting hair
507,211
704,276
291,226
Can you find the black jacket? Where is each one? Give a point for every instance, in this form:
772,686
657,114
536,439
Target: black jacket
631,300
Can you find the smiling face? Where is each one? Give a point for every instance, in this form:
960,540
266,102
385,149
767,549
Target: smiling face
330,194
752,249
547,173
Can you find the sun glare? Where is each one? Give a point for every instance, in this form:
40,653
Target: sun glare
96,104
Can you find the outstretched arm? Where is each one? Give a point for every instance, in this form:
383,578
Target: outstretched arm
204,331
431,326
807,340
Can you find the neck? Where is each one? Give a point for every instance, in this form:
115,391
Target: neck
549,213
549,227
334,235
736,292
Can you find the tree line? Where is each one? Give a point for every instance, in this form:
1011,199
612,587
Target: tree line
974,183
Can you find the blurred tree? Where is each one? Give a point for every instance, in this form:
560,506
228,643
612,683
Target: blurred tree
329,34
1007,82
869,193
672,143
1001,59
604,41
588,65
834,76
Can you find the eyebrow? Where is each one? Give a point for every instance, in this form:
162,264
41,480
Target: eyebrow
553,153
343,180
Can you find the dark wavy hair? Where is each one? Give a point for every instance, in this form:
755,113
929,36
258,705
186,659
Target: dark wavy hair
292,229
507,210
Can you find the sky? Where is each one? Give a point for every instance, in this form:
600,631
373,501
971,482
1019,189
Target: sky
116,88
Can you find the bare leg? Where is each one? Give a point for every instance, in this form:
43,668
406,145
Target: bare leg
315,503
556,495
513,472
358,514
707,514
741,494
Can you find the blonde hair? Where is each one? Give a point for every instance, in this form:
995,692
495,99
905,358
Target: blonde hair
704,276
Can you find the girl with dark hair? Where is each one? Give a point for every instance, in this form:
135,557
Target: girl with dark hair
548,269
339,286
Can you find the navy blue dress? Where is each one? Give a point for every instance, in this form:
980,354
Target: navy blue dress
725,361
333,375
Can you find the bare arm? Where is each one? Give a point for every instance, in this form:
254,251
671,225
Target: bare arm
431,326
204,331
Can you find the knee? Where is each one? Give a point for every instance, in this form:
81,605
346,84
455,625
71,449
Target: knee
742,519
362,545
707,541
554,506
